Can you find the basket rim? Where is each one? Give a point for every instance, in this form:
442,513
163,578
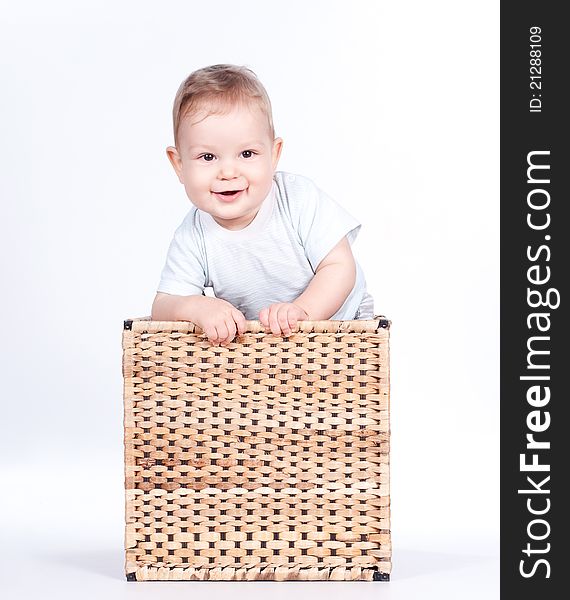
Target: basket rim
378,323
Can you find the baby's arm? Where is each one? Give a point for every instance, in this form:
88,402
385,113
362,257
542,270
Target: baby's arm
333,281
218,319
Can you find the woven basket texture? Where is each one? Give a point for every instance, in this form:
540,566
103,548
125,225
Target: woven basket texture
265,459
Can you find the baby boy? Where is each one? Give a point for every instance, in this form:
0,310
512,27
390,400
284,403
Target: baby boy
271,245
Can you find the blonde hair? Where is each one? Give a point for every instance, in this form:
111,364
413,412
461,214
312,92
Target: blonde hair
220,86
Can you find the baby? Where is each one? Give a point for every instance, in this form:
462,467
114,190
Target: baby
271,245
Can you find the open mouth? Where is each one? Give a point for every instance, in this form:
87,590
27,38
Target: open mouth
228,195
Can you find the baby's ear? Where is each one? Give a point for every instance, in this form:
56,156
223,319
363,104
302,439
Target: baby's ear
175,161
276,153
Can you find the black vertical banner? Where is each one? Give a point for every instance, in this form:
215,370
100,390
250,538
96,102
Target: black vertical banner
535,337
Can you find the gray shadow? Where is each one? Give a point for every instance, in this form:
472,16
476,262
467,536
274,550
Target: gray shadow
107,563
407,564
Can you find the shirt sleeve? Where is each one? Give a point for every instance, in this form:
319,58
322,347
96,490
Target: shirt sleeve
184,272
321,222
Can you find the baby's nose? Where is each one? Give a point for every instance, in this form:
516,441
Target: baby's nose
228,169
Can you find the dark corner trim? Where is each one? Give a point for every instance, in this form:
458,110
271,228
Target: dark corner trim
383,323
128,324
379,576
133,576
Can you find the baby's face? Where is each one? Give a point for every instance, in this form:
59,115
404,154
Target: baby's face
226,163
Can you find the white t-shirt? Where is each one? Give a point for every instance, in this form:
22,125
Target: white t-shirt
271,260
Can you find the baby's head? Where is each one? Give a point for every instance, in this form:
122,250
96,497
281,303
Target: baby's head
225,149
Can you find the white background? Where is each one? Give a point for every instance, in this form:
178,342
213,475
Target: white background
390,107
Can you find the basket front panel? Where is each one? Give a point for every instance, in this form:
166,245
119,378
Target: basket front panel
264,459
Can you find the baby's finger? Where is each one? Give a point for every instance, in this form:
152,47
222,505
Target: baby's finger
264,317
211,334
283,318
273,319
231,327
222,331
239,320
293,321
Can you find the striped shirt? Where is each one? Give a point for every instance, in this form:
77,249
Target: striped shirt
271,260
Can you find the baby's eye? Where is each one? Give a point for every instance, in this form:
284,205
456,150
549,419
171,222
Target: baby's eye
247,153
207,157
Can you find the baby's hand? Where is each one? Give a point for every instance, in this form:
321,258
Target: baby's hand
220,320
282,318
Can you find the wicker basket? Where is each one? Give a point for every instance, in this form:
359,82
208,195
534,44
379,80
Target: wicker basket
265,459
